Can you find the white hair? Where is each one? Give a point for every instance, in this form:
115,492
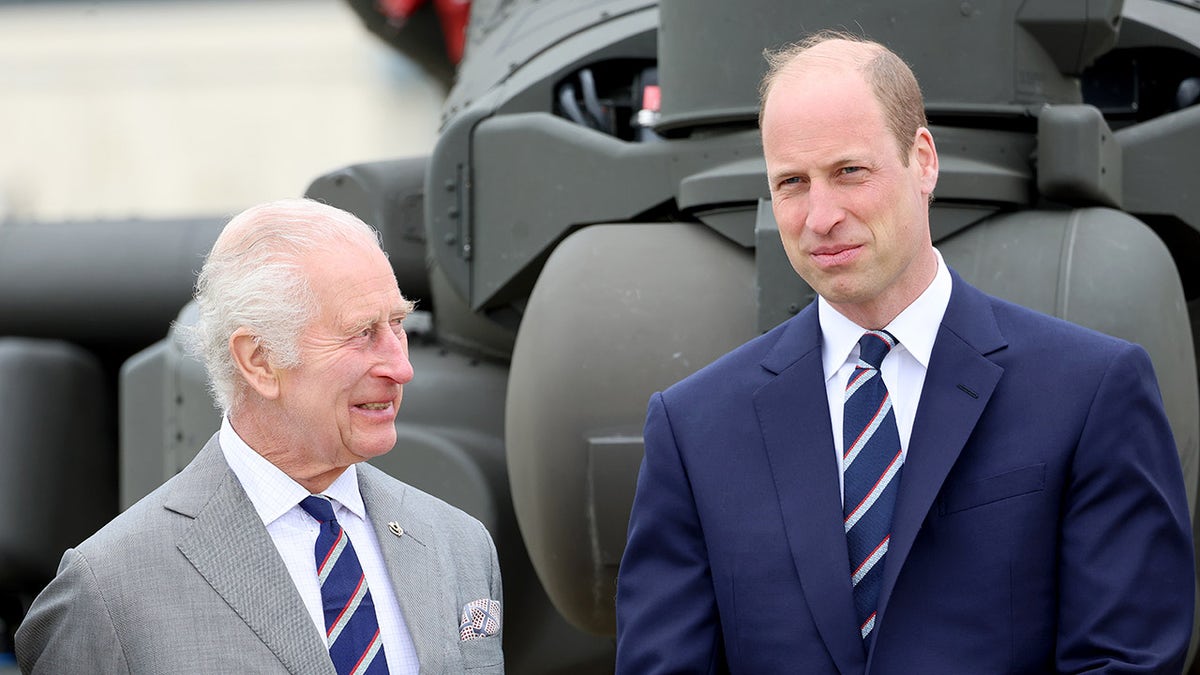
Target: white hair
254,279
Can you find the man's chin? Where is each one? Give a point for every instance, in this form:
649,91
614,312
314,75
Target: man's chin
838,290
370,449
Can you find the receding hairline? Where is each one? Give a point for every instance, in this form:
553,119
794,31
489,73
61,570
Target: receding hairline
890,79
247,228
827,49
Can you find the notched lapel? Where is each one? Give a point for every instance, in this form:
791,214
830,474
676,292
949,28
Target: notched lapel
792,412
958,386
230,547
416,576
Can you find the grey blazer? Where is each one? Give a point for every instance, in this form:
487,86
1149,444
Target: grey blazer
188,581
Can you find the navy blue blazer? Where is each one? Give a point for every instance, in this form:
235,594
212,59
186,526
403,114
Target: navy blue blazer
1041,523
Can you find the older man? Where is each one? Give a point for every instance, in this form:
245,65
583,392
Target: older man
909,476
277,549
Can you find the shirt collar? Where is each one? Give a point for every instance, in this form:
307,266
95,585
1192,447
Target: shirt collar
916,327
271,491
344,491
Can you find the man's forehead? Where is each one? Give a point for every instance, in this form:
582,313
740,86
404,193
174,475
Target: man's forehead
381,299
837,91
827,62
816,69
354,283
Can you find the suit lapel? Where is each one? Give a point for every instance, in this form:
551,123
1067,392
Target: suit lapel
958,384
793,414
413,566
229,546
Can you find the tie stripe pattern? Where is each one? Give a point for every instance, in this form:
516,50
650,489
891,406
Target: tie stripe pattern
352,629
871,464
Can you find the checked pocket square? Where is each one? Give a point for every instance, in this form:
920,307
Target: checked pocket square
480,619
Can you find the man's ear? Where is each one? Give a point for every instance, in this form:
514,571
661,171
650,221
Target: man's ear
254,364
925,155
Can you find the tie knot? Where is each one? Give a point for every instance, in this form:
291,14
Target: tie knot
319,508
874,345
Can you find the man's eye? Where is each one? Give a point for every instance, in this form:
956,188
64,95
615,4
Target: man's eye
851,169
789,184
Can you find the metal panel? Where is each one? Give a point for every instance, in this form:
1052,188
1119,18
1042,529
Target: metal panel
1003,53
619,311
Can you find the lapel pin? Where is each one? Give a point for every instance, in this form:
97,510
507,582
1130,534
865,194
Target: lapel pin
396,529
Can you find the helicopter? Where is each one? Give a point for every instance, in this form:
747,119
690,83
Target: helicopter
594,224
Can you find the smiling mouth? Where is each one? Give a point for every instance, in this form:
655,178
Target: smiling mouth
374,406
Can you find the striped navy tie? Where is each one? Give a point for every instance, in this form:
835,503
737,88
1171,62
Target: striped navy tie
351,629
871,471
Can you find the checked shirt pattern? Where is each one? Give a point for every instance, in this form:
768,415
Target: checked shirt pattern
871,471
351,628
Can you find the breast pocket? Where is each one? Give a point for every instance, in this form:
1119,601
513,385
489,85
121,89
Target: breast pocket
972,494
482,655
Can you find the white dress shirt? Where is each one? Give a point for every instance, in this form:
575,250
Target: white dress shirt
903,368
277,498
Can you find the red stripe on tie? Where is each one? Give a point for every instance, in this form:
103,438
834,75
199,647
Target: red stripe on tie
321,567
872,490
881,338
871,555
868,427
865,623
364,654
861,372
349,602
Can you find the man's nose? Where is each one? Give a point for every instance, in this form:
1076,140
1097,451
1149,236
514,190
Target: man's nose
824,208
392,350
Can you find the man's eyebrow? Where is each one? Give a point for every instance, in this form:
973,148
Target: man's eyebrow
357,325
784,171
843,160
848,160
361,323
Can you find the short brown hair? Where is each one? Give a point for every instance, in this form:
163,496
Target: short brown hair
891,80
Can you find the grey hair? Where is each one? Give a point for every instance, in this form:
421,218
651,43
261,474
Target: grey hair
254,279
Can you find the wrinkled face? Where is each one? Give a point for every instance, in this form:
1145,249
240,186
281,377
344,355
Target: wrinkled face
853,218
339,406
